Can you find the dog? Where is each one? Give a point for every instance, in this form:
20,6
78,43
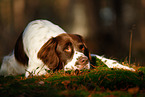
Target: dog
45,46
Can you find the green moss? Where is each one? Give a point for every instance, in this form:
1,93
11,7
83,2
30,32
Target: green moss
99,81
142,69
97,62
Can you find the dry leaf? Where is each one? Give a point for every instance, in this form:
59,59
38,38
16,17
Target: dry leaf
66,82
133,90
41,82
110,96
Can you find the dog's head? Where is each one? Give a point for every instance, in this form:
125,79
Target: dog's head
66,51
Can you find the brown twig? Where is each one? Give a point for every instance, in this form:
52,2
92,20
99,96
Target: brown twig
130,44
130,47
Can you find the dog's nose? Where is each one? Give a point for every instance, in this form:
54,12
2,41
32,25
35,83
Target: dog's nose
83,60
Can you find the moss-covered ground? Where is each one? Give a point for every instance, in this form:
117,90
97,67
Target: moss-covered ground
100,81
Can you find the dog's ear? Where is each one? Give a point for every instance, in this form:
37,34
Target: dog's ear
19,52
79,38
48,54
86,50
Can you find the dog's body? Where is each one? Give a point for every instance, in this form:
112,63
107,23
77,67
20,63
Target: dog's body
45,46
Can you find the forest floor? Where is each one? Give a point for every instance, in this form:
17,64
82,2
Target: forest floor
100,81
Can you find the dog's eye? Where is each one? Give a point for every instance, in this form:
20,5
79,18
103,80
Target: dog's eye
82,47
67,49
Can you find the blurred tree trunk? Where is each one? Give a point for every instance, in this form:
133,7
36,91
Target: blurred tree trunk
138,44
92,8
19,15
12,15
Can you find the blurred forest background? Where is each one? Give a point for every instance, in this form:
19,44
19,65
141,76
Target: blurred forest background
105,24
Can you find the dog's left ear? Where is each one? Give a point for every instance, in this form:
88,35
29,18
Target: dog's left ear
80,38
48,54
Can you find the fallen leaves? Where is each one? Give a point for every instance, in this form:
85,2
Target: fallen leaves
99,81
134,90
66,82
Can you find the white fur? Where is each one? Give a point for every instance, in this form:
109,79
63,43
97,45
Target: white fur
36,34
71,63
11,67
112,63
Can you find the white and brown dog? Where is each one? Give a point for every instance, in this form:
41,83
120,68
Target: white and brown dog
45,46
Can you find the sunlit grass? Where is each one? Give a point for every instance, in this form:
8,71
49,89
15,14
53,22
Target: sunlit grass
98,81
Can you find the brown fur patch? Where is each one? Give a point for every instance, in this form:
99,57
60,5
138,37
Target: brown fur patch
19,52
